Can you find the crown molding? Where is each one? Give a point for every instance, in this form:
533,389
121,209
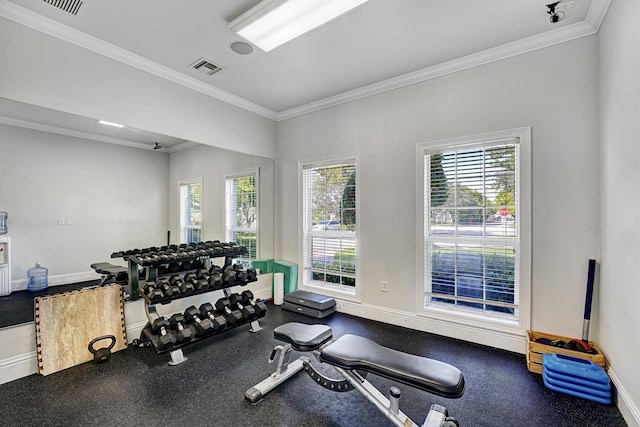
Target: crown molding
181,146
10,121
50,27
595,15
508,50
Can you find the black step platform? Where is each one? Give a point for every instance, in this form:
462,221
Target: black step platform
309,304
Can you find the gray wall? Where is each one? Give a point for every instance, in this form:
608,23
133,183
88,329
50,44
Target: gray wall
620,110
115,196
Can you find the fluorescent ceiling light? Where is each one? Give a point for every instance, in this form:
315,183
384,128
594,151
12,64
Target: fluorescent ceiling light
272,23
104,122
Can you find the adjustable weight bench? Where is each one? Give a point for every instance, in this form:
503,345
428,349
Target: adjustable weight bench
110,272
353,357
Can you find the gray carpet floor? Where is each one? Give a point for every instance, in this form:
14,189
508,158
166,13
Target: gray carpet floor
137,387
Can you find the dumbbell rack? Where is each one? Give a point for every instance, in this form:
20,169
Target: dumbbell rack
175,352
152,259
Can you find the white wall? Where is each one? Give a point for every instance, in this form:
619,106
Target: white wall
620,111
210,165
42,70
554,90
116,198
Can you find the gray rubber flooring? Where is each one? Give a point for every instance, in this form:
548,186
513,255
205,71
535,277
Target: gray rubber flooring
138,387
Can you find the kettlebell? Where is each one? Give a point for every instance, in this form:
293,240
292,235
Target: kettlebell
102,354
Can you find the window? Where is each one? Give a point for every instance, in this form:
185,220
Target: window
241,210
330,213
475,226
190,212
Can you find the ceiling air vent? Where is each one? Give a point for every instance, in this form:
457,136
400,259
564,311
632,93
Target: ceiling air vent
205,66
71,6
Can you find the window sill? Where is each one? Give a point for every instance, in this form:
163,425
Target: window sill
335,292
497,323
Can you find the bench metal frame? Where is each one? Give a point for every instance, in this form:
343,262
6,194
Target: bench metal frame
390,406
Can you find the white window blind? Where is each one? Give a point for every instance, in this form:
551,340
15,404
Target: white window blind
241,211
329,246
472,236
190,212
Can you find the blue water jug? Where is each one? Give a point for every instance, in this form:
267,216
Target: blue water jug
3,223
38,278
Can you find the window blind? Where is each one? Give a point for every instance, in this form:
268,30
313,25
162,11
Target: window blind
190,212
329,224
241,211
471,227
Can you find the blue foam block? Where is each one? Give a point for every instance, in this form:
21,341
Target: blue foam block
574,367
564,390
558,383
576,377
575,380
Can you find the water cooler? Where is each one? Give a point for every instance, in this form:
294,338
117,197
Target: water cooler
5,265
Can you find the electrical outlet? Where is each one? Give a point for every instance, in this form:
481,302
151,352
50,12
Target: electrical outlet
60,221
385,286
68,221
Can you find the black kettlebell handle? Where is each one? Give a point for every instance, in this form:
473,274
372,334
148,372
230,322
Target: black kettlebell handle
104,337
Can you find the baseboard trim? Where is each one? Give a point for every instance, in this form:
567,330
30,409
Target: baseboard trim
627,407
511,341
58,279
18,366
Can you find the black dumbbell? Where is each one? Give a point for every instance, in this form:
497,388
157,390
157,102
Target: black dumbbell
259,306
241,274
218,321
223,306
202,273
167,337
247,311
198,284
183,333
170,290
175,279
151,290
252,275
215,281
203,326
186,288
228,276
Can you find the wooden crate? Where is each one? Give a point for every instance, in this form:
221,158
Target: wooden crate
535,350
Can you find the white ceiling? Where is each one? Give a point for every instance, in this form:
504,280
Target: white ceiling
380,40
47,120
378,46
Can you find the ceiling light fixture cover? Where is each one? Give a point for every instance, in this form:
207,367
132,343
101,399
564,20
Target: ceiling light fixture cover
116,125
272,23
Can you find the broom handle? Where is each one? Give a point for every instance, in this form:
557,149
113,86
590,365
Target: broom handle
587,303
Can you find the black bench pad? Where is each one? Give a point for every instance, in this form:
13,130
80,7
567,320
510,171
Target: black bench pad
353,352
303,337
108,268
